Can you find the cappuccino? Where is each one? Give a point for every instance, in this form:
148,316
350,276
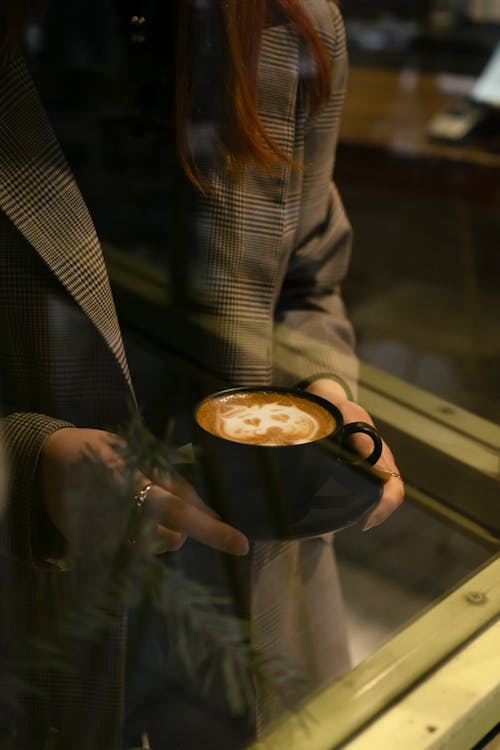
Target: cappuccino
265,417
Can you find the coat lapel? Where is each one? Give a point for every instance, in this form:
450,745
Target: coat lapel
39,195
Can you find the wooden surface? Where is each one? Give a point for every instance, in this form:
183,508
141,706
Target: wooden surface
390,109
452,710
410,657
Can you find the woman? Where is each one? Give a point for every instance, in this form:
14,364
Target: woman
271,248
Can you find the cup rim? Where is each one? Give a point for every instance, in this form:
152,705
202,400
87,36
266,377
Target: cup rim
331,408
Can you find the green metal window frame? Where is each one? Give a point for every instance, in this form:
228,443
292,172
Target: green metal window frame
436,684
449,457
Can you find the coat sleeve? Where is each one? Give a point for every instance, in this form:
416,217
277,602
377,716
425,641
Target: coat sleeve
22,435
312,332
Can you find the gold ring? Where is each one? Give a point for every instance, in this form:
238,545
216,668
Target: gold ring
136,513
395,474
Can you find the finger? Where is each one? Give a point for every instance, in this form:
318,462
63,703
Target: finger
391,499
353,412
166,540
386,468
177,485
329,389
358,442
361,444
393,494
173,512
386,474
153,538
108,447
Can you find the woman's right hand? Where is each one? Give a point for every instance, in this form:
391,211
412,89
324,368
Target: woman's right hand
173,510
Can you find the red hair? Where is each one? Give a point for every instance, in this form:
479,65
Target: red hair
238,26
243,137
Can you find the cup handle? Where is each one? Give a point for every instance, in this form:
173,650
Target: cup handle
352,427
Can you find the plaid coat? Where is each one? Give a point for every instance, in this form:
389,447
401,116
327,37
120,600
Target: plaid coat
266,275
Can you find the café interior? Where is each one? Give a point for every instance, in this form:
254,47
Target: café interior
418,169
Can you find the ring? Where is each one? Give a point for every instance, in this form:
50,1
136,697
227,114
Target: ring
136,513
395,474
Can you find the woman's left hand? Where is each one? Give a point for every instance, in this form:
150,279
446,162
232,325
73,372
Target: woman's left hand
394,491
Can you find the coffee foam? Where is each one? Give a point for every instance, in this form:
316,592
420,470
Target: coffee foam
265,418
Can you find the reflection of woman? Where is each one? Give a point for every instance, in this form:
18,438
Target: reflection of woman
273,247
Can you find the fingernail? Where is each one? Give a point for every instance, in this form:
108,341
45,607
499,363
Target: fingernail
239,546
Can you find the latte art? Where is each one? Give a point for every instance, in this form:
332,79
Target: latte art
265,418
268,424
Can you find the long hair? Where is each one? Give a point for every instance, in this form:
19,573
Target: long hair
242,137
230,32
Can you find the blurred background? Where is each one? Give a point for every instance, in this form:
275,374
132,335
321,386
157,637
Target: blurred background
424,284
419,171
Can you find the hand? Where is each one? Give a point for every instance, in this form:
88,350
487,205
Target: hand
172,509
393,493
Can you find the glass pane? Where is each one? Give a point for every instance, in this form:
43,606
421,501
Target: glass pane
225,273
419,166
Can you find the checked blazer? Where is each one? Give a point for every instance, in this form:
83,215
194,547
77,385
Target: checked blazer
265,275
62,363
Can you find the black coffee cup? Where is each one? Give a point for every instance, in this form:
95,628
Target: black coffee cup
284,491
